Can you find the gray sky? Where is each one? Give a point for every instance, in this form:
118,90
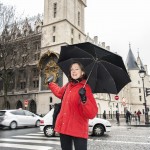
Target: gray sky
115,22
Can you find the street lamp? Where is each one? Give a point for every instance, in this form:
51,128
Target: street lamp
142,74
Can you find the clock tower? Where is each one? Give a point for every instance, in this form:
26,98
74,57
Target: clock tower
63,24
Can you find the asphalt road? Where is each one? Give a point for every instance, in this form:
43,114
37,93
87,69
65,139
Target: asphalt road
120,138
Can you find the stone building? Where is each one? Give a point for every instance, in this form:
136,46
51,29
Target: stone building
63,23
24,42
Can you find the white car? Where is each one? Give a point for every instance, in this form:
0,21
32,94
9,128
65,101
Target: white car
97,126
18,118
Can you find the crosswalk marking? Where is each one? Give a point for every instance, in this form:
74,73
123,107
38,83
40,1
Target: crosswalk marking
29,141
37,134
36,137
31,147
123,142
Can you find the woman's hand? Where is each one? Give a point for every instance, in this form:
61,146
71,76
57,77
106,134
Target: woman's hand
50,79
82,93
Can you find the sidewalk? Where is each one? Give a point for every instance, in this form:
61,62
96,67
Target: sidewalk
123,123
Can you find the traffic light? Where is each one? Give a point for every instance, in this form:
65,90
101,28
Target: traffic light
147,91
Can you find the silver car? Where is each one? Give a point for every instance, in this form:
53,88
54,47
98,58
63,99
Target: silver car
18,118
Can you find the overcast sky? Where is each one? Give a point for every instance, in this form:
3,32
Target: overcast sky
115,22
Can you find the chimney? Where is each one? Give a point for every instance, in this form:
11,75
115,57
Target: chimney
108,48
103,44
96,40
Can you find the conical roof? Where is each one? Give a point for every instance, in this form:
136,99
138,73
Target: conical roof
131,63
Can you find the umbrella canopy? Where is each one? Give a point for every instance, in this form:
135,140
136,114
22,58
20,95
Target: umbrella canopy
105,70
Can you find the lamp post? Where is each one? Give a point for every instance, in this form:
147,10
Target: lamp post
142,74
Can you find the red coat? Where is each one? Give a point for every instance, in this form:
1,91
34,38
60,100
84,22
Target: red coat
74,115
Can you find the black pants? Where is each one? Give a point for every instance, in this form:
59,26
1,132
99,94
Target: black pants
67,142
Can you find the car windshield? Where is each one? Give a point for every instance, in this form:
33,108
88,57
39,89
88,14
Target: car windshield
2,113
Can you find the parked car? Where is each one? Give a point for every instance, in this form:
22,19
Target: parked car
18,118
97,126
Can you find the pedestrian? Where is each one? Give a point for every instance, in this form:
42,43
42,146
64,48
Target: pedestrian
104,114
135,116
138,115
128,116
78,106
117,117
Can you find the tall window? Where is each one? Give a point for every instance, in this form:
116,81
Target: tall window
35,72
24,59
55,9
22,85
37,46
79,36
140,98
78,18
50,99
72,31
35,83
54,39
71,40
139,90
54,29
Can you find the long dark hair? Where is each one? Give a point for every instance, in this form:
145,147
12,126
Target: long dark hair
84,76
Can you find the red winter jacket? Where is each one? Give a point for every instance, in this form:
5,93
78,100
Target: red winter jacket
74,115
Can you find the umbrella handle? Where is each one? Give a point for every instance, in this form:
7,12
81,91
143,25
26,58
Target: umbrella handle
89,74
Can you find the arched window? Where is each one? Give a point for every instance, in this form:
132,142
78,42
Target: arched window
32,106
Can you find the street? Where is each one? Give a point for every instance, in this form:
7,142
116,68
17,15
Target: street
120,138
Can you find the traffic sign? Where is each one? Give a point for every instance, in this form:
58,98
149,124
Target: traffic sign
116,97
26,102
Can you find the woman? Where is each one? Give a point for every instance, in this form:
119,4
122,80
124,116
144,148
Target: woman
78,106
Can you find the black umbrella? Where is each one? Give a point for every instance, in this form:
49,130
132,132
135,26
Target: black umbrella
105,70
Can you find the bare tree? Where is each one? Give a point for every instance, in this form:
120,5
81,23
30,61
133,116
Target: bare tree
14,50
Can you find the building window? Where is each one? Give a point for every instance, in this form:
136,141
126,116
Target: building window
72,31
140,98
78,18
22,74
22,85
54,29
35,72
36,56
50,99
55,9
54,39
139,90
37,46
79,36
35,84
24,59
138,82
71,40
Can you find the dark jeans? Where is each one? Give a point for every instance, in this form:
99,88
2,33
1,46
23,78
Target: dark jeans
67,142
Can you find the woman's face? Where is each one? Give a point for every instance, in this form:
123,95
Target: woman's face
76,71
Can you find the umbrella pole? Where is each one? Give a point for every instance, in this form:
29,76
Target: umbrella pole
89,74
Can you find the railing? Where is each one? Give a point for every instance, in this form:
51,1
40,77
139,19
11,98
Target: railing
113,116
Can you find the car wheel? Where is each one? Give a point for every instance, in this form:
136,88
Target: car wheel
98,130
49,131
37,124
13,125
